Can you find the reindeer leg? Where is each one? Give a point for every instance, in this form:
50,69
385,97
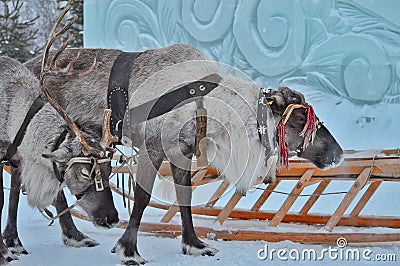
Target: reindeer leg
5,254
10,233
191,245
70,234
126,247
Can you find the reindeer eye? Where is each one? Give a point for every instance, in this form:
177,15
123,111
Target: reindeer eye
300,119
85,172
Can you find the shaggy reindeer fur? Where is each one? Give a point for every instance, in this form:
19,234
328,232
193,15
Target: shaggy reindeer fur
233,145
18,89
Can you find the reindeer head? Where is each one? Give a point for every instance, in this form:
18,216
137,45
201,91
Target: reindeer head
86,166
294,116
87,177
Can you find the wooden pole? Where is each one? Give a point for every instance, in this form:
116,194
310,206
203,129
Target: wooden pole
351,194
264,196
365,198
217,194
175,207
313,199
292,198
223,215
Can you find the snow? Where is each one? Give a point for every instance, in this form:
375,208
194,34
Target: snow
45,246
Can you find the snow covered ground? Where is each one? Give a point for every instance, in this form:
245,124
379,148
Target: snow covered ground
46,248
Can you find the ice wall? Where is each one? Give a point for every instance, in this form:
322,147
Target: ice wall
343,55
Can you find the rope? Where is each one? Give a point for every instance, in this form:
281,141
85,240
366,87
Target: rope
129,161
301,195
49,215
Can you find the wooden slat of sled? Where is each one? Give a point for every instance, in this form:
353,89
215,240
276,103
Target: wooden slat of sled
175,207
247,235
366,197
217,194
348,168
313,199
351,194
292,198
264,196
224,214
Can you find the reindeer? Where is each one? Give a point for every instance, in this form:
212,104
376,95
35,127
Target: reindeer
42,136
234,143
47,149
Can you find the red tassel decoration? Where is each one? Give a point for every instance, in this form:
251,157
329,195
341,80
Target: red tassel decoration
283,150
310,128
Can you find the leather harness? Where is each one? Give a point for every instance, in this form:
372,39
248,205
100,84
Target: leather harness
117,99
59,174
117,94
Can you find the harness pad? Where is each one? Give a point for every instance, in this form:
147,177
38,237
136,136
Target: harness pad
117,94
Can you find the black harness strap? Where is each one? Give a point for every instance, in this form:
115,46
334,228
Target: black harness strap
264,114
59,140
117,95
12,149
173,99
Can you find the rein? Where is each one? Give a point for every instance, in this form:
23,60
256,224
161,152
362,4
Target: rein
49,215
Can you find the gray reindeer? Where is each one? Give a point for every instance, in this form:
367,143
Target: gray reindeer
47,133
234,142
48,150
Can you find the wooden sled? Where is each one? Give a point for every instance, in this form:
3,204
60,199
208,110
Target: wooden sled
367,174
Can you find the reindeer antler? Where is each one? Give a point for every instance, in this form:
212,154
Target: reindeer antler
50,70
107,137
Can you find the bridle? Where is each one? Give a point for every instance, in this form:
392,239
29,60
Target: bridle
94,172
95,162
308,132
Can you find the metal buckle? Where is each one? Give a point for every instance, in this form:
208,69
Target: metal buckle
98,183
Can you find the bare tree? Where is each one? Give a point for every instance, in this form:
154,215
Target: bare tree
16,36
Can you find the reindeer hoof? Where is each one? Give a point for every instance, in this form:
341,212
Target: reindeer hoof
79,240
131,262
6,255
135,259
15,246
197,251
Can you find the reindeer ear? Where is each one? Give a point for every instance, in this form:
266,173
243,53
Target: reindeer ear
59,156
284,96
68,149
277,102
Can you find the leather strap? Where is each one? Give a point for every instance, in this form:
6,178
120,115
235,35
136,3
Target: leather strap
173,99
59,140
117,95
12,149
264,113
